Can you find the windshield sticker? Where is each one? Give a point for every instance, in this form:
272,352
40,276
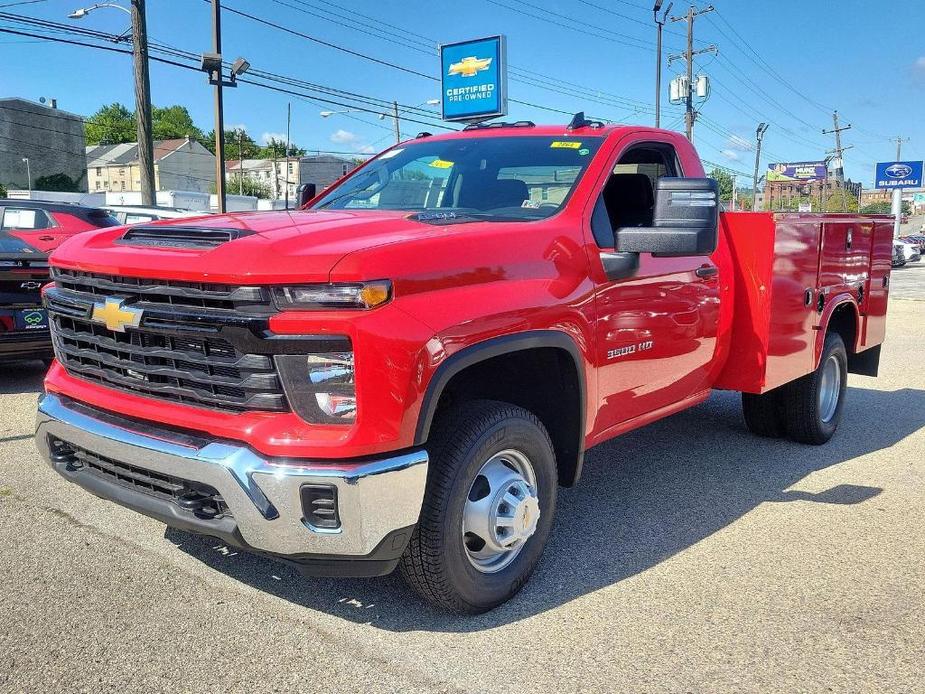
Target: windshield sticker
531,204
441,164
584,151
565,144
391,153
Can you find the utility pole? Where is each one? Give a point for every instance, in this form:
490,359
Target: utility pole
658,57
839,154
143,125
690,115
219,114
759,135
288,123
28,174
396,122
240,161
899,146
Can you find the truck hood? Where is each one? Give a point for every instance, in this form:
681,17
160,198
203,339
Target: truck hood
272,247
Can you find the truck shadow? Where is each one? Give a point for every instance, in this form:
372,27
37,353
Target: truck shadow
21,376
643,498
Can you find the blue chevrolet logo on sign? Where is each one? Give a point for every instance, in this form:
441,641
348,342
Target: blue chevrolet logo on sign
898,174
474,79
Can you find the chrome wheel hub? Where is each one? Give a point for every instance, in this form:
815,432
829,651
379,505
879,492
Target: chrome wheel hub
829,389
502,511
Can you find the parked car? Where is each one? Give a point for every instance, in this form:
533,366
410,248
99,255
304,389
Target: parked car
917,240
911,252
127,214
405,371
28,232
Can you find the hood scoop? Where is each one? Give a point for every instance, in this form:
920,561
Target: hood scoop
168,236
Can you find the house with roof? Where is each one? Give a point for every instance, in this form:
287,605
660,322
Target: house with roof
285,175
181,164
39,141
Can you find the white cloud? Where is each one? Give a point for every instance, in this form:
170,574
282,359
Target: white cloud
739,143
730,154
266,137
344,137
235,126
367,149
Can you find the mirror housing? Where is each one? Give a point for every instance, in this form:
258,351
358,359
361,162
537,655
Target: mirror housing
685,221
306,193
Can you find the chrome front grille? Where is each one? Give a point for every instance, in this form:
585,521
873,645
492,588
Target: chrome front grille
197,344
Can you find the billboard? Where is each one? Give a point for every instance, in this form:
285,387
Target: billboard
898,174
473,79
797,172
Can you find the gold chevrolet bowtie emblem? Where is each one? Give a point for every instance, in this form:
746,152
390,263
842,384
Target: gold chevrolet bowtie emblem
469,67
115,316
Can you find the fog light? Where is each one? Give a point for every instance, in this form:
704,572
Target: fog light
319,506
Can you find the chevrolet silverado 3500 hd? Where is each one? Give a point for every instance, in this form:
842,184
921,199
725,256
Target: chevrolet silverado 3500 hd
402,372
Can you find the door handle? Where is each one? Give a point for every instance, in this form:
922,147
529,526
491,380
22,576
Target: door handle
46,238
706,271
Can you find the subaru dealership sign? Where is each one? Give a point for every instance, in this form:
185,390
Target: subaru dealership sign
898,174
474,79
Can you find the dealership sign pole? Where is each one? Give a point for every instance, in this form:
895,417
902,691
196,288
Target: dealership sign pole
473,79
896,175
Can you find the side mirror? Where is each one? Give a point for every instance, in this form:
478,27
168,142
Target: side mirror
685,220
307,193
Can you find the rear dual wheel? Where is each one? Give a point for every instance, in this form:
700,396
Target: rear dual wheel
808,409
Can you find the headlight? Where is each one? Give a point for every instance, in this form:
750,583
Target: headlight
361,295
320,387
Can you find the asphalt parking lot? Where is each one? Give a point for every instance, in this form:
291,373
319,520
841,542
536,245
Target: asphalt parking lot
693,556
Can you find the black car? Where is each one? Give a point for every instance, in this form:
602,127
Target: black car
29,231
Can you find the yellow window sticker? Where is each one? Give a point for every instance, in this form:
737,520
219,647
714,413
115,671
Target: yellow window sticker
565,144
441,164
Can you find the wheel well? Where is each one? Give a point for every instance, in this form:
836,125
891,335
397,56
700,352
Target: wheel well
844,322
543,380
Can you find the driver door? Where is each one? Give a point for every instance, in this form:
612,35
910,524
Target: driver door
655,330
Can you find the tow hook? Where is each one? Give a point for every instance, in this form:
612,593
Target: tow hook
198,504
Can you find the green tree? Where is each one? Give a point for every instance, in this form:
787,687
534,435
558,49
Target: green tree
276,149
247,186
876,208
834,202
110,125
238,144
173,122
2,191
725,183
56,182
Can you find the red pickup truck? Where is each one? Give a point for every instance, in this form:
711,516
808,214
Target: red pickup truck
402,372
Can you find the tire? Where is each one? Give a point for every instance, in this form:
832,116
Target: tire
808,416
439,563
763,414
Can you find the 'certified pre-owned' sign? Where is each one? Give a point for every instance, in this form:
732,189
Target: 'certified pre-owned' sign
899,174
473,79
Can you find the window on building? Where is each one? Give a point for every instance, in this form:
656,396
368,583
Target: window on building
123,184
290,167
99,170
98,185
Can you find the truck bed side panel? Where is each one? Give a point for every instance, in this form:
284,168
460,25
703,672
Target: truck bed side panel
874,306
776,262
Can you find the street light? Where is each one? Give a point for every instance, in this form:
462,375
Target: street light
143,126
658,57
395,114
28,175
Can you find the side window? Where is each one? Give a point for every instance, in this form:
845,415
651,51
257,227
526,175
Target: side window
24,219
628,198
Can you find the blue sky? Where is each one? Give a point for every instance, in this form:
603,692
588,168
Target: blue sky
788,62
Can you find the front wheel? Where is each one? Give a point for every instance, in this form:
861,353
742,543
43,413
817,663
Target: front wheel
488,507
812,405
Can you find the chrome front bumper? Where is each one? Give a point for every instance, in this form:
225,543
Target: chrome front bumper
376,498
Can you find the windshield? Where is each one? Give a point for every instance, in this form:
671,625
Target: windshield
496,178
